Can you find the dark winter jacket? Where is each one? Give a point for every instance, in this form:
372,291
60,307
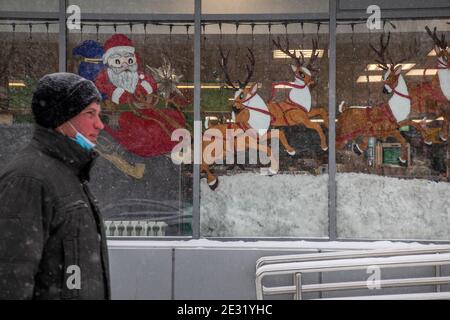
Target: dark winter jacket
50,224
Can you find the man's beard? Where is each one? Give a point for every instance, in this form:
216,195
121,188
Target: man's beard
126,79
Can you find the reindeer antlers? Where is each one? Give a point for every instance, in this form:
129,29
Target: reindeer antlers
224,66
299,62
250,68
314,57
381,53
439,42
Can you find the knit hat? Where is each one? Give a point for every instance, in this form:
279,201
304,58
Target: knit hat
61,96
116,44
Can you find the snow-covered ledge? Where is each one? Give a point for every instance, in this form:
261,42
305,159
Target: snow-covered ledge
294,245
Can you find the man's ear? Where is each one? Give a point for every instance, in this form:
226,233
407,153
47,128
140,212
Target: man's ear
66,130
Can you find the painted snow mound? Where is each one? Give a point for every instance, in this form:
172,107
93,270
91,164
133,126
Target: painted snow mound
252,205
368,207
377,207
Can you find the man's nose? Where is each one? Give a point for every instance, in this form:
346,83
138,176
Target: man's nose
99,124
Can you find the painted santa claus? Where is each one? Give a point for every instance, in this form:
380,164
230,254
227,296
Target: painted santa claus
122,81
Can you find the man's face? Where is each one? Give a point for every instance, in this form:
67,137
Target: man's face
87,122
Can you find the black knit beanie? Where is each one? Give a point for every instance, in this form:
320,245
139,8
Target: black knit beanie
60,97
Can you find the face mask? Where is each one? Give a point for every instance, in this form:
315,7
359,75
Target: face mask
82,140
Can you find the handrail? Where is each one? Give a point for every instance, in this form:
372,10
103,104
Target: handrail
407,296
297,269
349,254
354,285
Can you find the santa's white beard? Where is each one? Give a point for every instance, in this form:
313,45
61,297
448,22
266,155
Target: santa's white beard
125,79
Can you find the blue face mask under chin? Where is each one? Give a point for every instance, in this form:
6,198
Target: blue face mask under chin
82,140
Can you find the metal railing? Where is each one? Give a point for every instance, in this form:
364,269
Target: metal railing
298,265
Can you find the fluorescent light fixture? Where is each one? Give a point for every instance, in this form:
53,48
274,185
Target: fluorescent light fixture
209,118
419,72
213,86
16,83
283,86
374,66
362,79
203,87
278,54
432,53
428,120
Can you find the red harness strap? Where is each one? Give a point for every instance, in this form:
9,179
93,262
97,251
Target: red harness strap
401,94
441,65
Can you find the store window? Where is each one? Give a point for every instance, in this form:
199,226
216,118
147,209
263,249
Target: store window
260,80
141,69
29,50
393,91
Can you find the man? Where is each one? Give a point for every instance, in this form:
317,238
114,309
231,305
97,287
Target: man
121,81
52,241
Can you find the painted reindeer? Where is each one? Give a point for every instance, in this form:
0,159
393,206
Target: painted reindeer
433,97
383,120
299,94
254,113
260,124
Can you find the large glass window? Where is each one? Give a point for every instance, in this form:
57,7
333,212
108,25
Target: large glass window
259,80
144,71
29,50
393,88
264,77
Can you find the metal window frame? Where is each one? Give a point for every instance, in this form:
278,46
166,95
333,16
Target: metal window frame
336,12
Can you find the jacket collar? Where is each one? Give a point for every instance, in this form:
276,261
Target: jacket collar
66,150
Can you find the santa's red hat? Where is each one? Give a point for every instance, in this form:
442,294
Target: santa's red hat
118,43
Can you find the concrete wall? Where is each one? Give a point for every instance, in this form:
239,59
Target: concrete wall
161,271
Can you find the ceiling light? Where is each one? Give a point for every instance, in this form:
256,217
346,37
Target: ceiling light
432,53
214,86
420,72
16,83
371,79
278,54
